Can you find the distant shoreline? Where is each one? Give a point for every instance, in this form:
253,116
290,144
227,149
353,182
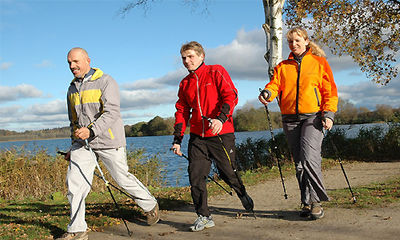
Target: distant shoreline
30,139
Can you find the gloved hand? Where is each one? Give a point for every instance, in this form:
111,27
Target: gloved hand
327,123
264,95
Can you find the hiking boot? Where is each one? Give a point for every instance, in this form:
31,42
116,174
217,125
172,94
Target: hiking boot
201,223
74,236
305,210
247,202
316,211
153,216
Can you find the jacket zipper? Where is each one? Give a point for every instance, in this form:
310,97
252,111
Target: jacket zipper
198,101
298,87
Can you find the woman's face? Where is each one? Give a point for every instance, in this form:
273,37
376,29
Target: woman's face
298,44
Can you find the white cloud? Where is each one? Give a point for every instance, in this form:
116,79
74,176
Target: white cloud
255,103
9,112
369,94
342,63
170,79
243,58
136,115
21,91
5,65
143,99
30,118
44,64
54,107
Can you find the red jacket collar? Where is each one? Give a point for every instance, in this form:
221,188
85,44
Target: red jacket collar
199,69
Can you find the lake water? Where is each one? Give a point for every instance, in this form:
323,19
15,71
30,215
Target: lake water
175,166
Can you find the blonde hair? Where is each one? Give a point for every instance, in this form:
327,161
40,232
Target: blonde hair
195,46
315,49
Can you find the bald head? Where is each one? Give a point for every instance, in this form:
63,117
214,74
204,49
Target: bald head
79,62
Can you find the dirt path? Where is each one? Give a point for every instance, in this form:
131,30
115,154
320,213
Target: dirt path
278,218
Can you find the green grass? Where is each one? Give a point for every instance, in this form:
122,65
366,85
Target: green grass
45,218
34,219
368,196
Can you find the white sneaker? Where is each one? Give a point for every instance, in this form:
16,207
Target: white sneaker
201,223
74,236
317,211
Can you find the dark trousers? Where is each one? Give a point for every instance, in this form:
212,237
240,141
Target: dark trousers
201,151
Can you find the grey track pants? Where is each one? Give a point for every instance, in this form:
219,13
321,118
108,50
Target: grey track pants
305,140
80,176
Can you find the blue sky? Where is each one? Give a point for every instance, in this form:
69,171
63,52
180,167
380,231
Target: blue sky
141,51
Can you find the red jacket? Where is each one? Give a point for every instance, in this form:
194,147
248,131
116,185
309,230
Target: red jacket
208,91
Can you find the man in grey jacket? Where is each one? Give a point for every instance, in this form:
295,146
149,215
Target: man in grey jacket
94,113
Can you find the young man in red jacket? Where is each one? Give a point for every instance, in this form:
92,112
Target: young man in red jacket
207,97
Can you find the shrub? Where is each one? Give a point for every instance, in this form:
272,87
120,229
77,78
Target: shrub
38,175
370,144
253,154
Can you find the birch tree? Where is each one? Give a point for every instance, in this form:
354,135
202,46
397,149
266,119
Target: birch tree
273,28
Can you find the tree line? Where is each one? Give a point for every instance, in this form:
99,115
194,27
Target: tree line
249,119
246,119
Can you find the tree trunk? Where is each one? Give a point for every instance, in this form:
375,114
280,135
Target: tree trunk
273,32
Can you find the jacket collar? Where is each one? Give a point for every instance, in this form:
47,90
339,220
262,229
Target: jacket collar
299,58
199,68
93,74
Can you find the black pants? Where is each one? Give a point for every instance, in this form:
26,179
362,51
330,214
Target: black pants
201,151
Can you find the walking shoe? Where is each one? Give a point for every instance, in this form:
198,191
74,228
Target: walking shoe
201,223
247,202
74,236
317,211
305,210
153,216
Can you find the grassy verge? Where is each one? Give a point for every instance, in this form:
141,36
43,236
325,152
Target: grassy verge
368,196
43,219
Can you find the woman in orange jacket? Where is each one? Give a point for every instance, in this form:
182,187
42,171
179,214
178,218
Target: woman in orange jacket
307,97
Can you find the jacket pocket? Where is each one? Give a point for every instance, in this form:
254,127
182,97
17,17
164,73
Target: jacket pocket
316,95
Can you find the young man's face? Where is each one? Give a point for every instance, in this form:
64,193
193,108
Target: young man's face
191,60
79,63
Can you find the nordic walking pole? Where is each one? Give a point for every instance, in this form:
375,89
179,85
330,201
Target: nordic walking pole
230,162
341,166
211,178
107,185
112,185
273,152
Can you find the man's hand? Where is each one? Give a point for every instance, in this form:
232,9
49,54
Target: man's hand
176,148
216,126
327,123
67,155
82,133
